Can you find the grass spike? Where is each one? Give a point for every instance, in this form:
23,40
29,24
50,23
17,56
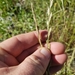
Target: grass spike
36,25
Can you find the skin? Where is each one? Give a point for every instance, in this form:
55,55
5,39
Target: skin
22,55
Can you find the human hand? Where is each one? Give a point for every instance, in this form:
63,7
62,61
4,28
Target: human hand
21,55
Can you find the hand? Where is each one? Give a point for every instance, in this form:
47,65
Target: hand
21,55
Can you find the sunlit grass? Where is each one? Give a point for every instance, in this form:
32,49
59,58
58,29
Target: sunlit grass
16,17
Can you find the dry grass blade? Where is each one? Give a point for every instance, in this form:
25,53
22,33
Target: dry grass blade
72,58
48,21
48,38
36,25
49,15
48,46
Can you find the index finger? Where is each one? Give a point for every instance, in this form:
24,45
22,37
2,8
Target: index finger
17,44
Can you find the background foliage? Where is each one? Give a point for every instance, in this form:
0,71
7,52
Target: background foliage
16,18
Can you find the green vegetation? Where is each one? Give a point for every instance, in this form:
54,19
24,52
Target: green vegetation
16,18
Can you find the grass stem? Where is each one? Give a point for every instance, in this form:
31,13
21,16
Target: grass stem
36,25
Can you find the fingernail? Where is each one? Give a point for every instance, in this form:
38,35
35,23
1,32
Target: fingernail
45,52
46,36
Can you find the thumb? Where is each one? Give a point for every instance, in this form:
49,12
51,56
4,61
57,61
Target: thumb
36,63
